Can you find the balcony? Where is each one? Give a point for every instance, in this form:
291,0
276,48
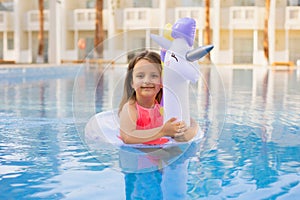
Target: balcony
84,19
32,20
292,17
6,21
197,13
141,18
246,17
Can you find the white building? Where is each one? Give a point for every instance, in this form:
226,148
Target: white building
237,28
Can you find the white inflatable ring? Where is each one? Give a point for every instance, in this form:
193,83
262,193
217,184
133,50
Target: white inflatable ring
104,128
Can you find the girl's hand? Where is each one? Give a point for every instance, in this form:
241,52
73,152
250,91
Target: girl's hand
189,132
174,129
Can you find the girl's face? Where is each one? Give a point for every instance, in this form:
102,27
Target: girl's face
146,79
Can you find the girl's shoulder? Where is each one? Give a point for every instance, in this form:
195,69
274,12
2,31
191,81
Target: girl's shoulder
130,104
129,107
128,112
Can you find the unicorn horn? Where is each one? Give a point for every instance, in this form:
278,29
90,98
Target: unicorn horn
198,53
161,41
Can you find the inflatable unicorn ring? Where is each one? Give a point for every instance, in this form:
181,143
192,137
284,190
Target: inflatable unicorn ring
180,68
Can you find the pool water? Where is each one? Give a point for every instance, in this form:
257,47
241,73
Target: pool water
250,118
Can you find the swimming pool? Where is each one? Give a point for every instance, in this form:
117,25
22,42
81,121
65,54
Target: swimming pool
251,147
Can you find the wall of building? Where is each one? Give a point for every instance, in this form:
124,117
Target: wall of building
237,28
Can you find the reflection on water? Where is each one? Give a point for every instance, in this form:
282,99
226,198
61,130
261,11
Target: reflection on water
167,181
251,120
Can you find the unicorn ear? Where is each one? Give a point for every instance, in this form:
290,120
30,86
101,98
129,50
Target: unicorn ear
198,53
161,41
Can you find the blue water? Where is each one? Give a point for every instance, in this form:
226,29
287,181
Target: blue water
250,150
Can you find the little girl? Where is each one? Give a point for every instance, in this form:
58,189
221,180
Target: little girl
141,117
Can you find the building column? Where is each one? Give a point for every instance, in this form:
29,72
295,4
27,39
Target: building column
216,31
148,42
54,50
287,44
255,47
76,38
17,30
200,37
111,29
125,34
125,42
63,25
30,45
231,50
271,30
4,44
162,9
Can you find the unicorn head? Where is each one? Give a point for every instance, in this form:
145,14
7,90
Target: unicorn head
179,54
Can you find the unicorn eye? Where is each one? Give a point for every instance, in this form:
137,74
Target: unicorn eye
173,55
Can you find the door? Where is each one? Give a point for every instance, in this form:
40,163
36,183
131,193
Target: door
294,49
243,51
1,46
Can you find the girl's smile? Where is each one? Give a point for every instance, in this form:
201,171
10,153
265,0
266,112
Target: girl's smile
148,86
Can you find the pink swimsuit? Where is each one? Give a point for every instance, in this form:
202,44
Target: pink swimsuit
149,118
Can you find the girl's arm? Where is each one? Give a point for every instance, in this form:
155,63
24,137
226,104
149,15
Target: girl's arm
129,134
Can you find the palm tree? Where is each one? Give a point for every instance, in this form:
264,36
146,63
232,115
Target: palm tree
266,32
207,30
40,56
99,32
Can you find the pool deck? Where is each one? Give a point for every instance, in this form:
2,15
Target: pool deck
7,66
121,65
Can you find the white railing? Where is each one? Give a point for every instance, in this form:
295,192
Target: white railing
32,20
292,18
197,13
6,20
246,17
84,19
137,18
3,20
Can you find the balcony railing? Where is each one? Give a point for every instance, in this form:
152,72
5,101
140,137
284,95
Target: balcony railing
196,13
129,18
292,18
6,21
84,19
138,18
32,20
246,17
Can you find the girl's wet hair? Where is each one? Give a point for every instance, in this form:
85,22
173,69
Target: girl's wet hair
129,92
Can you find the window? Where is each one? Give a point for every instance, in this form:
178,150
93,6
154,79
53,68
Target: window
46,4
244,2
90,4
10,43
142,3
293,2
7,5
192,3
1,46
